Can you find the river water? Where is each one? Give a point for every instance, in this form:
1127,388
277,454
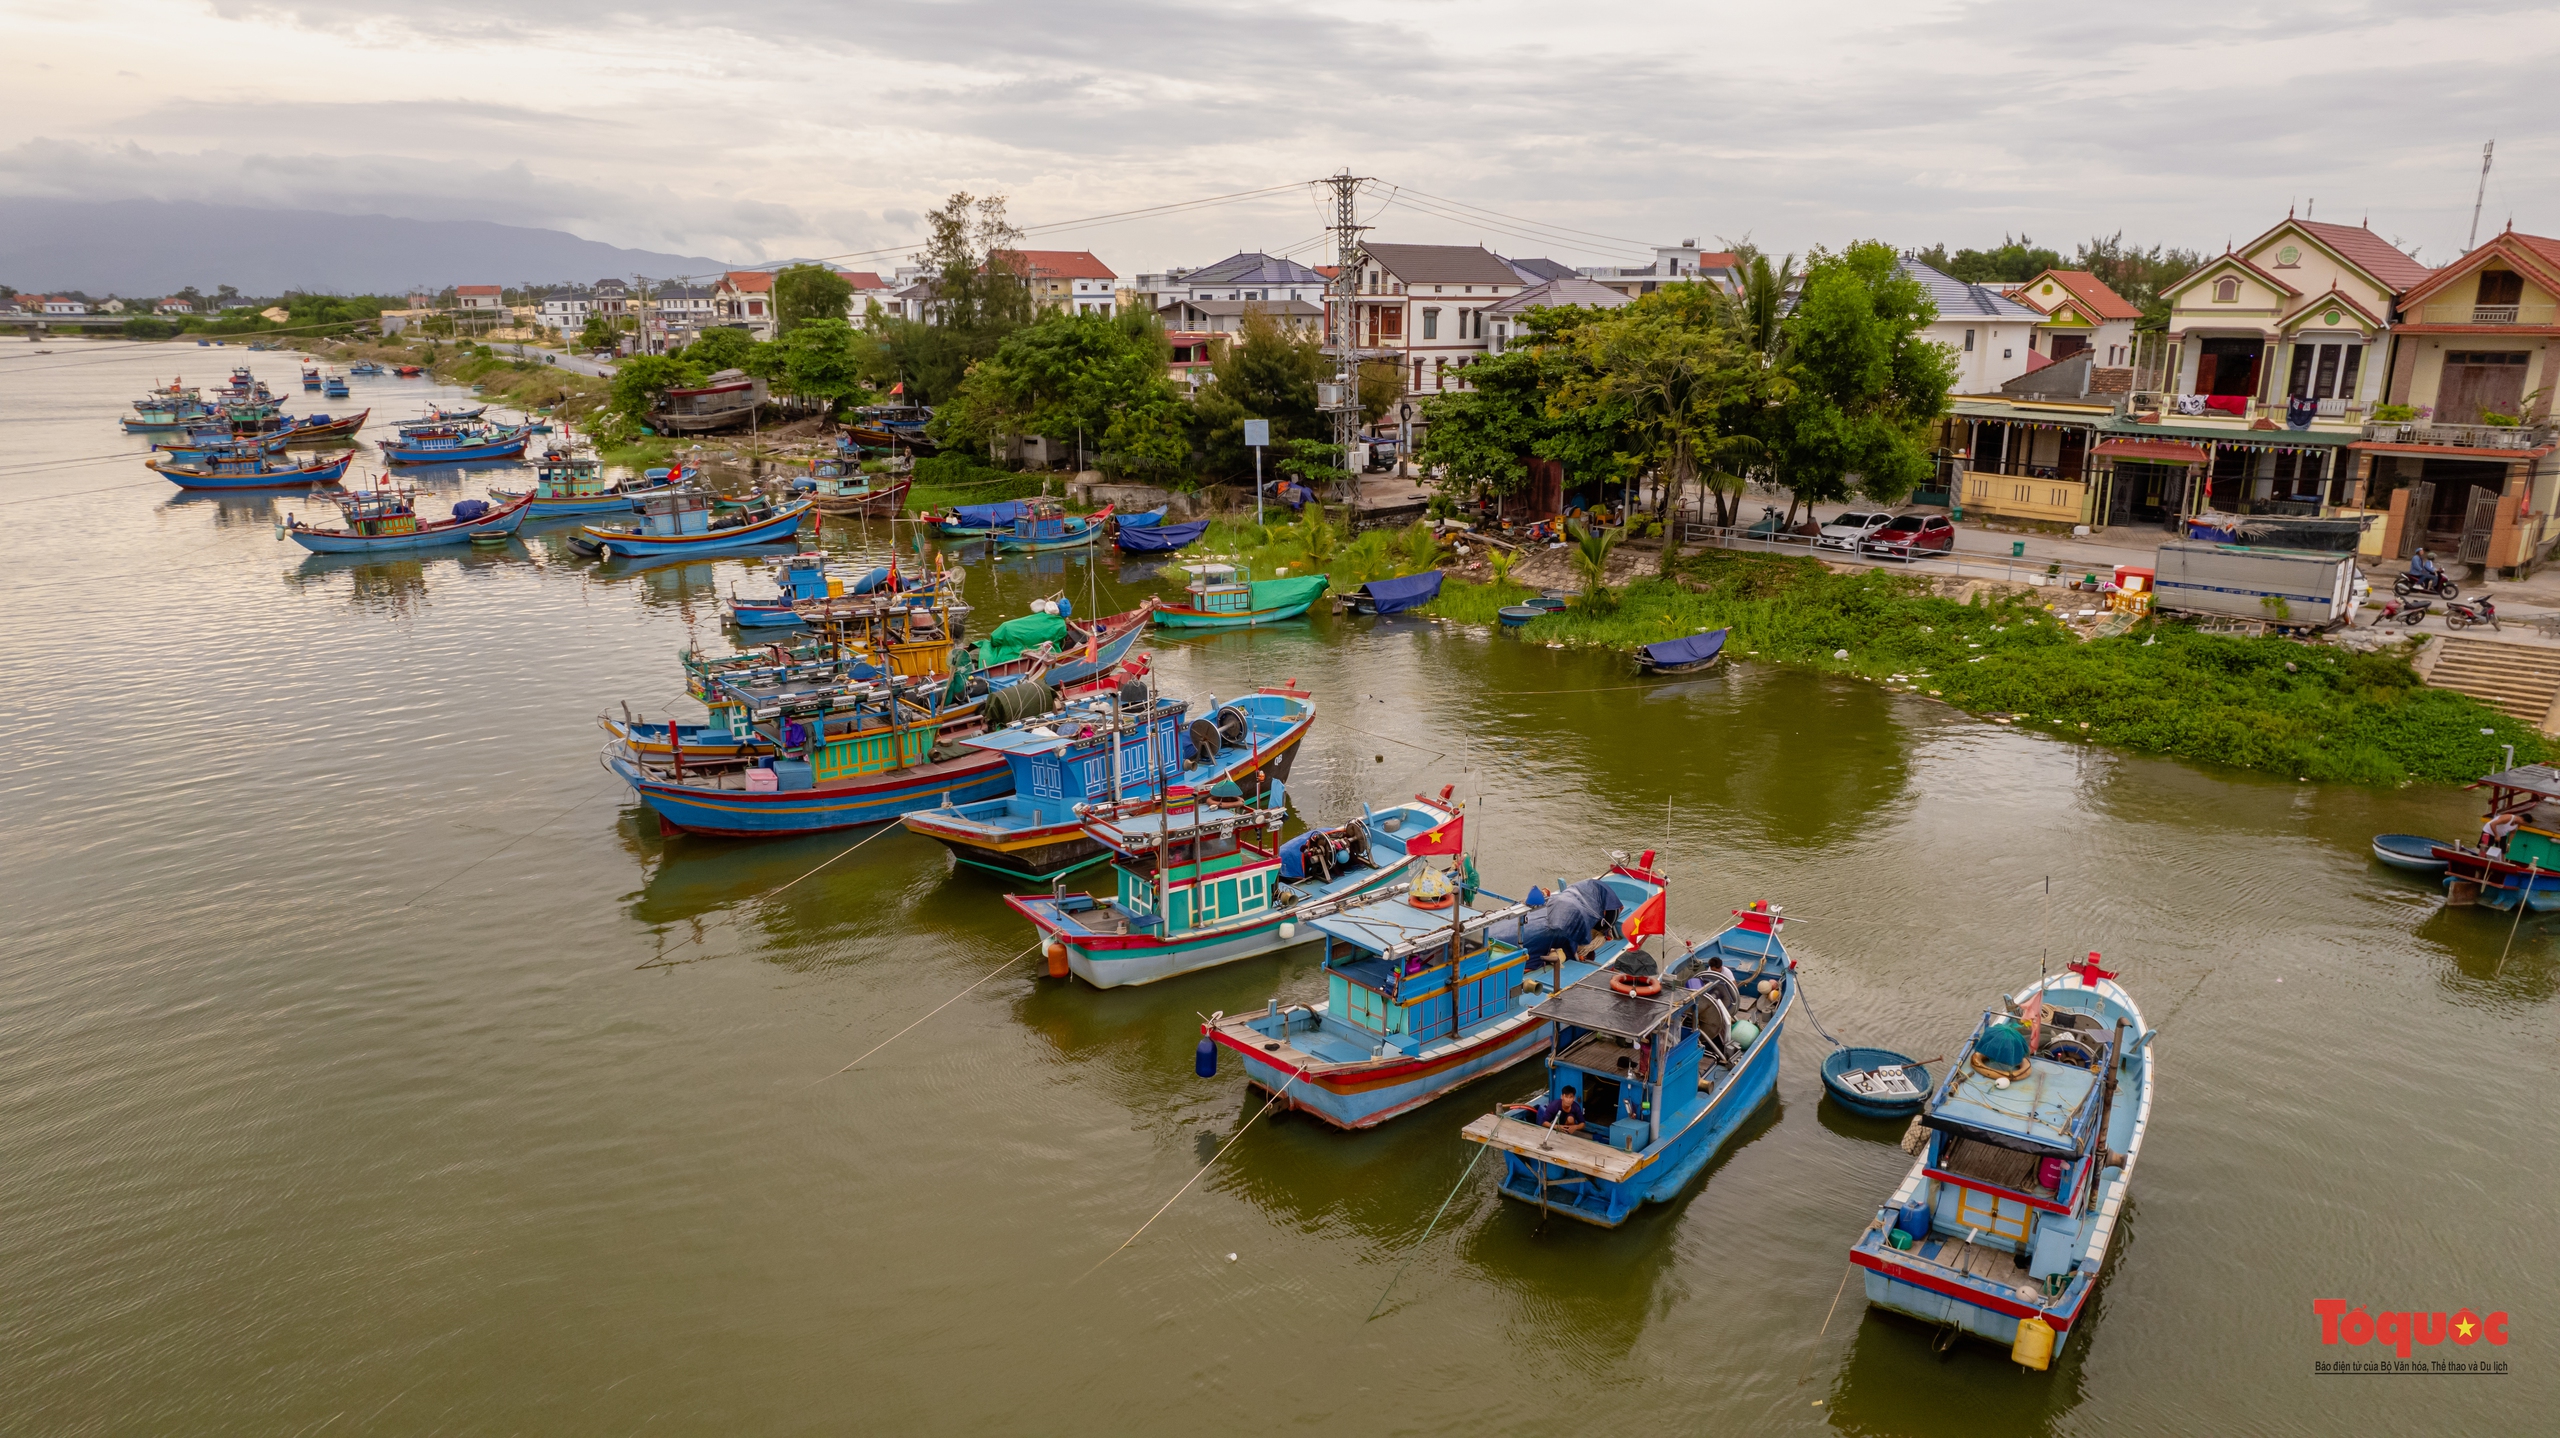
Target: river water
369,1063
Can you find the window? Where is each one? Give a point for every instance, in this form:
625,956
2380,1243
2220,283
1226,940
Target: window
1439,371
1430,323
1968,341
2325,371
2501,287
1417,372
2226,290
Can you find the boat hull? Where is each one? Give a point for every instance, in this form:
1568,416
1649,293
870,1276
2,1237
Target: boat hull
503,521
398,453
328,473
612,544
2413,852
1842,1060
1111,961
1176,617
1364,1095
871,799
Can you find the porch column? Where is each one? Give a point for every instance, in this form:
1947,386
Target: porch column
2506,528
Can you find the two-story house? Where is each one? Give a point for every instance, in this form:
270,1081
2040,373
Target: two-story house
566,309
612,297
1424,306
479,297
1683,263
1071,280
174,305
2461,447
744,299
2081,314
1985,331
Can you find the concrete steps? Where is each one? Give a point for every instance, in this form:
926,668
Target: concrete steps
2522,679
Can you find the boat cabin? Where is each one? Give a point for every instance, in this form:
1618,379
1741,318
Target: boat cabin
912,635
822,733
1219,589
1046,518
2015,1129
1191,865
568,474
380,511
1066,759
1391,977
674,513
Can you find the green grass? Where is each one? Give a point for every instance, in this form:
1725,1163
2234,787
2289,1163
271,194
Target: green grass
2162,689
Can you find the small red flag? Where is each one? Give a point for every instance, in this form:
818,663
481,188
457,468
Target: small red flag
1449,838
899,388
1650,917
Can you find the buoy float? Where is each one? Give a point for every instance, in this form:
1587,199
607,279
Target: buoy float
1204,1060
2034,1344
1634,987
1056,953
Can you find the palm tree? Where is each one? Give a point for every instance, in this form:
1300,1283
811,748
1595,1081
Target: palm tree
1591,548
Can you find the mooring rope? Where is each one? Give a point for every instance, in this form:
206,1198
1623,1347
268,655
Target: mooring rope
1241,1131
1411,1253
937,1008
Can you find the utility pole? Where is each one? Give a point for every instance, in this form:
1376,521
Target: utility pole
1344,398
2487,152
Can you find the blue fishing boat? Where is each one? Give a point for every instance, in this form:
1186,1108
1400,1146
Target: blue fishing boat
568,480
1065,760
1425,993
833,756
1221,597
1875,1083
438,417
2517,859
804,577
364,367
333,386
2026,1152
384,519
1666,1065
202,445
2413,852
1685,655
1201,881
1045,525
476,443
843,488
253,471
311,377
680,521
976,521
1394,596
1158,538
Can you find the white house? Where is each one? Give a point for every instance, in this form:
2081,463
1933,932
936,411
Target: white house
174,305
479,297
1683,263
1988,333
745,298
1070,280
612,297
1424,306
57,306
566,309
1248,276
2080,313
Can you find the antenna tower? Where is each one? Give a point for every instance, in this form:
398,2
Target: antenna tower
1342,397
2487,151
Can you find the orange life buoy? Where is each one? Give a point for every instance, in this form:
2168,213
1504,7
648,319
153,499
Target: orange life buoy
1633,987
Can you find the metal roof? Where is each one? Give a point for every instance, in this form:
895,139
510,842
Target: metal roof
1442,264
1592,1004
1958,300
1251,267
1539,271
1569,290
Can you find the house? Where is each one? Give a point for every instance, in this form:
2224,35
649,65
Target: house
479,297
1683,263
917,299
174,305
1538,272
2080,313
1503,318
112,307
744,299
566,309
868,288
1066,280
1250,275
1986,331
1193,352
2463,459
1423,306
56,305
1227,316
612,297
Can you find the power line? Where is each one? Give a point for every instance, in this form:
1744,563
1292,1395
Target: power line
1541,224
1512,231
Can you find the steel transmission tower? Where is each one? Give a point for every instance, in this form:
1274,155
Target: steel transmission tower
1342,397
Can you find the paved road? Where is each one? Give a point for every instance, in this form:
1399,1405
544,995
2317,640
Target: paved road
578,364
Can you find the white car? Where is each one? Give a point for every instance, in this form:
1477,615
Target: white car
1849,531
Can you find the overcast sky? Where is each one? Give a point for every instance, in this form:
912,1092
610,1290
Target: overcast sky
799,128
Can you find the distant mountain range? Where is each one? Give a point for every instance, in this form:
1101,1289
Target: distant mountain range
155,247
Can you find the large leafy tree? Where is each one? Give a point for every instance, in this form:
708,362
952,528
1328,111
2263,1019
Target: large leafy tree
1269,372
803,293
719,349
820,359
979,297
639,380
1513,410
1675,371
1865,381
1100,378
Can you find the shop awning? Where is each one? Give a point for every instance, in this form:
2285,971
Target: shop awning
2150,451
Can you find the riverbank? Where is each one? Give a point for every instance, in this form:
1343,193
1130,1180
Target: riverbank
2274,705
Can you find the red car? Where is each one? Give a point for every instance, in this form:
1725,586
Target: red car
1913,536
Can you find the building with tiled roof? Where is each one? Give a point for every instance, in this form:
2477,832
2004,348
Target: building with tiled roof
1985,331
2080,314
1073,280
1423,306
1683,263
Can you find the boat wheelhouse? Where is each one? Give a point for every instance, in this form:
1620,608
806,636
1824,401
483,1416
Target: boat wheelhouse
333,385
569,479
384,517
1220,596
2517,859
1664,1067
804,578
311,376
843,487
1044,525
2004,1222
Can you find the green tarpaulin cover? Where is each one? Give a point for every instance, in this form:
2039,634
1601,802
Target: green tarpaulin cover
1298,589
1013,636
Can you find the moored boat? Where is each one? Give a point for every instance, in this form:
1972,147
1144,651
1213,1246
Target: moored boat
843,488
570,480
384,519
320,428
2517,859
2413,852
1158,538
1685,655
199,446
1875,1083
1045,525
311,376
975,521
254,470
1220,596
2003,1225
804,577
1666,1064
469,443
364,367
1393,596
680,521
333,385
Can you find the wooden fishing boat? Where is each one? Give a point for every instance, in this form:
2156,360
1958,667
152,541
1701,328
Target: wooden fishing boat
1202,881
1403,1021
1045,525
1158,538
1875,1083
1685,655
874,754
364,367
408,371
311,377
384,519
320,428
568,480
2002,1227
1666,1066
1221,597
2413,852
2519,848
257,470
804,578
976,521
334,386
1393,596
1064,760
844,489
199,446
679,521
467,445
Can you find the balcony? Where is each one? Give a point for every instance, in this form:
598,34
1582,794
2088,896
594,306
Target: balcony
2462,436
2457,312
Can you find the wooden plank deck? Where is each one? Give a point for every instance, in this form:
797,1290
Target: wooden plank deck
1531,1140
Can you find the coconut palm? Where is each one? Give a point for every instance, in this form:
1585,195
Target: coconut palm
1591,549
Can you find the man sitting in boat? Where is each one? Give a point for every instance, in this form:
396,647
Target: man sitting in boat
1564,1111
2498,830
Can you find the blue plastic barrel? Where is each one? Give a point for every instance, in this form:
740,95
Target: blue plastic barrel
1204,1061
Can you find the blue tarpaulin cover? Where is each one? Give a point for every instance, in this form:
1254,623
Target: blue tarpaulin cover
1160,539
1566,921
991,516
1690,649
470,508
1395,596
1144,519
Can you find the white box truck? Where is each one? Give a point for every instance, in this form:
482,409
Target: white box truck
2236,581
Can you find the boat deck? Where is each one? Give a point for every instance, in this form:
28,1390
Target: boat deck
1533,1141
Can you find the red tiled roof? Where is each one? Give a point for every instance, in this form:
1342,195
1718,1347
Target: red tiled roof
2533,252
863,279
2100,302
2369,252
1060,265
754,282
477,290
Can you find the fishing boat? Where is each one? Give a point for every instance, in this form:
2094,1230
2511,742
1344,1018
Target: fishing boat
2519,848
2413,852
1393,596
320,428
804,577
888,426
1875,1083
256,470
1119,751
1158,538
2026,1148
408,371
333,386
976,521
1426,992
1202,880
199,446
383,519
570,480
873,753
364,367
1667,1065
1045,525
311,376
845,489
438,417
1220,596
680,521
1685,655
478,443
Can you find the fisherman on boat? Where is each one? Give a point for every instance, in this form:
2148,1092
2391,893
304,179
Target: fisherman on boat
2500,827
1564,1111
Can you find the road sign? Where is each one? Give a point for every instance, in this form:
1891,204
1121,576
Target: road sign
1257,433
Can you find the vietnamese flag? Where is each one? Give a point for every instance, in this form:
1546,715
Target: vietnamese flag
1650,917
1449,838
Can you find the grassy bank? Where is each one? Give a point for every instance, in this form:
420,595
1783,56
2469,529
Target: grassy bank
2302,710
525,385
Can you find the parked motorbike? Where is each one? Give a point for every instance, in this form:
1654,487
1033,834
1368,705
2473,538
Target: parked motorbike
2463,615
2402,611
2430,581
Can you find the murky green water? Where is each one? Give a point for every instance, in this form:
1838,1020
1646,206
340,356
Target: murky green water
369,1064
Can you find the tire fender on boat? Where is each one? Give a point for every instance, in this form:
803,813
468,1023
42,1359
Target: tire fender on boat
1056,953
1634,987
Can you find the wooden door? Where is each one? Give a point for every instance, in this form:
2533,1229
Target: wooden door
2475,383
2413,517
2479,517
